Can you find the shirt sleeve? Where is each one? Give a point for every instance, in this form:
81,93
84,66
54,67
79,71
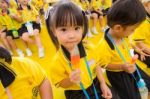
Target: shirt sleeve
57,72
104,55
35,69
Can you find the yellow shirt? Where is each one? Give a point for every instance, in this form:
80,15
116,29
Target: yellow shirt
96,4
84,4
29,15
29,77
12,3
1,23
9,22
60,68
38,4
106,56
142,33
107,4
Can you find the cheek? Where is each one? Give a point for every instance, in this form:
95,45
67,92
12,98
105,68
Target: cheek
61,38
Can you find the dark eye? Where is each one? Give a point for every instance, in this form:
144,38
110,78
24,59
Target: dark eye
77,28
63,29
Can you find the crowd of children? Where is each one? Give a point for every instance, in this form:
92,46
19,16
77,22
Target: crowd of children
118,67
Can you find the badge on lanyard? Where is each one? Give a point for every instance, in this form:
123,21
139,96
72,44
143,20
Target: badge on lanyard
29,27
15,33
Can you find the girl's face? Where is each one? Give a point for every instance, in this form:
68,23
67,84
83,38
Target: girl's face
69,36
3,4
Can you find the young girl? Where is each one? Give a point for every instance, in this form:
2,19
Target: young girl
31,25
77,76
10,19
114,51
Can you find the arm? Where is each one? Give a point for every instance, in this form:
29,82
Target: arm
99,74
46,90
65,83
15,17
74,78
106,93
143,46
127,67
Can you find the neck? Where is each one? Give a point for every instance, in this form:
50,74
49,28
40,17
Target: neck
70,50
116,38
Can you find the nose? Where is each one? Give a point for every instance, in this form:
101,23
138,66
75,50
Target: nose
71,34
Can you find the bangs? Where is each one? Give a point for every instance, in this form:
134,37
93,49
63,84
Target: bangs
68,16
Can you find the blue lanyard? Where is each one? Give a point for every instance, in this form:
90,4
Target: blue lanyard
82,86
124,60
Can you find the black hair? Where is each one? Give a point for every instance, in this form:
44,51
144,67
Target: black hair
65,12
4,54
126,13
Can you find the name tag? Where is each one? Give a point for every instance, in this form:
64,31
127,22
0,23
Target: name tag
91,62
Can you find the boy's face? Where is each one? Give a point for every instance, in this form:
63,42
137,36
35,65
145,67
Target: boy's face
122,32
3,4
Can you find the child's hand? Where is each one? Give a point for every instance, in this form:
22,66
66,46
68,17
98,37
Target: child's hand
12,16
106,93
129,68
143,55
75,76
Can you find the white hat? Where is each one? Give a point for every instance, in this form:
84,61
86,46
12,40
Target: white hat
143,1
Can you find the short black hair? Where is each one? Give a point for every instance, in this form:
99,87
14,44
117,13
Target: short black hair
126,13
4,54
65,12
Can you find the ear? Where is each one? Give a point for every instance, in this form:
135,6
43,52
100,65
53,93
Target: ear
117,28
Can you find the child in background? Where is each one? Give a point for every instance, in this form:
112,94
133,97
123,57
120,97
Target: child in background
67,31
10,19
114,54
97,15
31,25
22,78
141,36
86,7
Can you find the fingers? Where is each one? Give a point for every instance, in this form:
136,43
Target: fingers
75,76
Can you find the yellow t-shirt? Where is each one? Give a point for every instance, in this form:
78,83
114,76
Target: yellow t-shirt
38,4
12,3
26,84
29,15
60,68
107,4
84,4
108,56
9,22
142,33
1,23
96,4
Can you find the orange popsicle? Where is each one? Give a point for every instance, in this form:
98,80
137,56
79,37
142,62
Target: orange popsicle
75,58
134,58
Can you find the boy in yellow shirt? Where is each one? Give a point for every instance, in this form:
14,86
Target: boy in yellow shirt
114,50
22,78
